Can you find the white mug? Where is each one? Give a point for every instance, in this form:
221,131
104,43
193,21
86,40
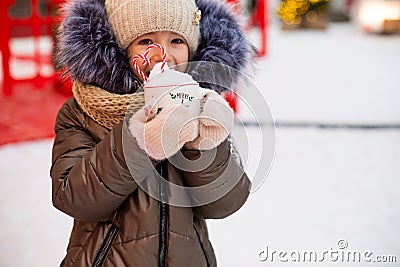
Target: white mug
188,94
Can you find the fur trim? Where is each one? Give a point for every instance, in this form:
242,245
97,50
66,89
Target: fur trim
88,51
221,40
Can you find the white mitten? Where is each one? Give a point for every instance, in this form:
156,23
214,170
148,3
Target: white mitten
164,134
216,122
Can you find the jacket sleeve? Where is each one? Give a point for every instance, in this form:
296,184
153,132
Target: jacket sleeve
222,185
90,179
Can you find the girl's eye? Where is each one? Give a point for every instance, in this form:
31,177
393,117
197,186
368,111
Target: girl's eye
178,41
145,42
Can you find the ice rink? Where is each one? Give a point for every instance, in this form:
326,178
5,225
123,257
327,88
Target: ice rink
335,179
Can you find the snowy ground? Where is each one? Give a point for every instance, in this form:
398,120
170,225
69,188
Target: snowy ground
325,185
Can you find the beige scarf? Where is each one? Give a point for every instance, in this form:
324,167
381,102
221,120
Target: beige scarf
106,108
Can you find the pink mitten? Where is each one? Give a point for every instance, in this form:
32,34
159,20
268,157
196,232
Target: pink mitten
164,134
215,123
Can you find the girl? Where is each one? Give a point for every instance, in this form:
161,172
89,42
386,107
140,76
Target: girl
100,160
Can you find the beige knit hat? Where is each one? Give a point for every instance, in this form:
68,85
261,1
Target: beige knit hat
130,19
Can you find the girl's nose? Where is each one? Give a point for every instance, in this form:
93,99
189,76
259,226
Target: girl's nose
158,55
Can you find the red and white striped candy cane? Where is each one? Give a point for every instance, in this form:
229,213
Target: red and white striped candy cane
136,66
146,60
164,54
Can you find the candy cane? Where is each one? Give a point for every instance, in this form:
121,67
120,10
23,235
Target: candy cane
164,54
136,66
146,60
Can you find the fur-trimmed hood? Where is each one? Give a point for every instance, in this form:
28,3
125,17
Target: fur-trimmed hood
88,51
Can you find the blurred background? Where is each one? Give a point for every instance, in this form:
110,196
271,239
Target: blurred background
329,71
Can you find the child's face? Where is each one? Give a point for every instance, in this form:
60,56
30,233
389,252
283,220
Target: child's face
174,44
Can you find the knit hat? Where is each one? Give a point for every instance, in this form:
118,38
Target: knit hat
130,19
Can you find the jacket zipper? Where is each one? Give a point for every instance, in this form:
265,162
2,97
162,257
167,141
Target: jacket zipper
163,214
202,246
105,247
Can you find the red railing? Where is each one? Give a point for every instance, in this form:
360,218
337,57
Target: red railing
38,26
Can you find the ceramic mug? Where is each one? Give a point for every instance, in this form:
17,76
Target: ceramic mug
187,94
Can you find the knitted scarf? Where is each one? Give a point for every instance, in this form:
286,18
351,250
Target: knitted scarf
106,108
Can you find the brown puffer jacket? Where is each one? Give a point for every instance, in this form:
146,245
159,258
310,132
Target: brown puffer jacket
116,223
